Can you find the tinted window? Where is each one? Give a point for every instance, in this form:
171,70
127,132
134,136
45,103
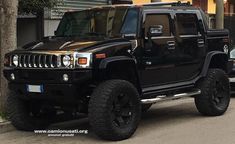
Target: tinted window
109,22
158,19
131,21
187,24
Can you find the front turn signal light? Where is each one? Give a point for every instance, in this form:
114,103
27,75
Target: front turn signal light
100,56
82,61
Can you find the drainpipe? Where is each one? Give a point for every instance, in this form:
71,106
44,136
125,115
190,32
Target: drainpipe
219,14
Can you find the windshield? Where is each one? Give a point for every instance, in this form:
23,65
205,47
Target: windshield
105,22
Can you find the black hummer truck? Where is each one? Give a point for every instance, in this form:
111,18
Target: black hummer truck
114,62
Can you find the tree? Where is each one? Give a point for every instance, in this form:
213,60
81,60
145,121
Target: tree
8,16
36,6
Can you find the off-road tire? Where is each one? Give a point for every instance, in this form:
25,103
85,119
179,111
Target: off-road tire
215,93
20,115
104,116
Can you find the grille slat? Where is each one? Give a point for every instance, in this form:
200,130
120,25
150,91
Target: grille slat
37,60
29,61
34,61
20,60
45,61
40,61
24,61
51,61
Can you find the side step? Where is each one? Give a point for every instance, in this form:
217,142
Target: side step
161,98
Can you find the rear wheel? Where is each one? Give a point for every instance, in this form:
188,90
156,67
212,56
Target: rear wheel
215,97
114,110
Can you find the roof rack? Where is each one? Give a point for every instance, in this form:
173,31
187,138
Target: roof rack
179,3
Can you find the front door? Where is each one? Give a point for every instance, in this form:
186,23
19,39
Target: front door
158,52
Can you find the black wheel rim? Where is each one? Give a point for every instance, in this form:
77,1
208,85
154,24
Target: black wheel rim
122,110
220,94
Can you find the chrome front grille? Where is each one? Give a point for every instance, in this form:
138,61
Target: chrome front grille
38,61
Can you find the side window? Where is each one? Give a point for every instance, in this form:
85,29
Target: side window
158,19
187,24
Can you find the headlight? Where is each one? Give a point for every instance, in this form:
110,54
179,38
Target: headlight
66,60
15,60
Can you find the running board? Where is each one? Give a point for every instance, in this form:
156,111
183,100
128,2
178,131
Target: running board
161,98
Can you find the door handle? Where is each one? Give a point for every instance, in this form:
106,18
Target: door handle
171,45
200,43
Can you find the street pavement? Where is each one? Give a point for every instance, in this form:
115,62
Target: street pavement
174,122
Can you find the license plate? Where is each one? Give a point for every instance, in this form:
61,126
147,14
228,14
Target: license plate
35,88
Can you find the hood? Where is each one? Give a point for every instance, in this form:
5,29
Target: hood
68,44
59,44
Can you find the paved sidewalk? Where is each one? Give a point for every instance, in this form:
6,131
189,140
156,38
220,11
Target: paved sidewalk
1,119
175,122
5,126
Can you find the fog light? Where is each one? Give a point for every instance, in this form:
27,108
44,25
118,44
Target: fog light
13,77
65,77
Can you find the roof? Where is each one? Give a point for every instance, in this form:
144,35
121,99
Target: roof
154,5
179,4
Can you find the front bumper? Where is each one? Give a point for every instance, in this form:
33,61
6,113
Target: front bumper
54,87
47,76
52,92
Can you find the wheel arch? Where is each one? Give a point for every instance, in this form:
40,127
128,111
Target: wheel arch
215,59
120,67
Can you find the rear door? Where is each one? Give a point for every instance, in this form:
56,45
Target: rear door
190,44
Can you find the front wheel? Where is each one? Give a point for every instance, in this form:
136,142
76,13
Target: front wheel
25,115
114,110
146,107
215,97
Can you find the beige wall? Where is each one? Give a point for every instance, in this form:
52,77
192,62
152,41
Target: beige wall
141,1
176,0
211,7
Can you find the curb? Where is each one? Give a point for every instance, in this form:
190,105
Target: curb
6,127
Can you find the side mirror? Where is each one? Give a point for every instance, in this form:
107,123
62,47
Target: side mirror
155,31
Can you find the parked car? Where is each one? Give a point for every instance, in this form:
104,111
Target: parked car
114,62
232,74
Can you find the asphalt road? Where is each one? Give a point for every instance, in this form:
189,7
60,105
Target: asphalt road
175,122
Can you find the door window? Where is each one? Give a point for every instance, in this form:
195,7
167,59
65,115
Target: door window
157,48
187,45
187,24
158,19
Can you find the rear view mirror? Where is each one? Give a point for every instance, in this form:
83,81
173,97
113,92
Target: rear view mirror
155,31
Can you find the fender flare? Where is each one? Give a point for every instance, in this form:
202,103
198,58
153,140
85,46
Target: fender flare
209,58
105,63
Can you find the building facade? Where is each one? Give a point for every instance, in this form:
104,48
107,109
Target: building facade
53,17
28,29
229,18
